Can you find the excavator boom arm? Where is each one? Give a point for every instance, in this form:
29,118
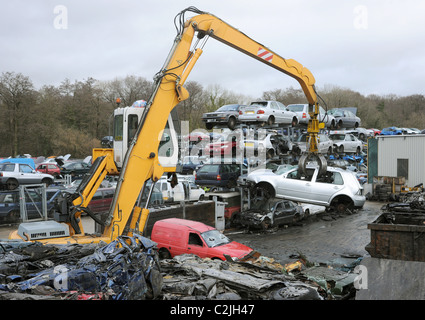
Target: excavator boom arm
141,161
223,32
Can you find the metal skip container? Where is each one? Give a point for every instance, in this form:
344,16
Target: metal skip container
398,233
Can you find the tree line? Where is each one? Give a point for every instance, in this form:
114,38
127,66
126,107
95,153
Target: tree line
73,116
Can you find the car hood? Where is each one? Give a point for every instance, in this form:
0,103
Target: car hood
219,113
234,249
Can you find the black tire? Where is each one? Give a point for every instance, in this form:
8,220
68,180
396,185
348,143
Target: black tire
14,216
341,149
270,120
262,192
209,126
164,254
294,122
12,184
231,124
270,154
47,181
235,219
266,224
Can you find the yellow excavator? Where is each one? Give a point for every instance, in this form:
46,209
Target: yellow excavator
152,149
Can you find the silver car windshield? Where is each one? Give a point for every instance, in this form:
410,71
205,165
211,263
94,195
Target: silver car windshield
214,238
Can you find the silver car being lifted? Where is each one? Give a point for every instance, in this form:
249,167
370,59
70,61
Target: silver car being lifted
338,188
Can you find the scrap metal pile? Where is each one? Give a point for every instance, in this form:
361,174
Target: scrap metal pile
414,200
190,277
129,269
126,268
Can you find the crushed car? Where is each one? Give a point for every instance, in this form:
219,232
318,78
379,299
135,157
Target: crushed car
270,145
269,213
125,269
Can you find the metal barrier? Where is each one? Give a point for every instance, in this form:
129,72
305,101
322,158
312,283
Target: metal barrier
24,194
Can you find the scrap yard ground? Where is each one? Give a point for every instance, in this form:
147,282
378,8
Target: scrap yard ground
326,239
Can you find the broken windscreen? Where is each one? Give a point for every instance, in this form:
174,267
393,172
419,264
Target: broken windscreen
214,238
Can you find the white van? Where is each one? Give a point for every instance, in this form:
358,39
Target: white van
183,191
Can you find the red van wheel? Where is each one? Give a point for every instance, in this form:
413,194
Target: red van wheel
164,254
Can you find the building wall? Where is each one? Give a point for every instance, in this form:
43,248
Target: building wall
411,147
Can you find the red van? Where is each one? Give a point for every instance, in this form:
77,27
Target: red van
178,236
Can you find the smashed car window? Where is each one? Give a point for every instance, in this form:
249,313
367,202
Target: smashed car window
195,239
214,238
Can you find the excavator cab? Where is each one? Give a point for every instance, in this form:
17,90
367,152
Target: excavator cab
126,123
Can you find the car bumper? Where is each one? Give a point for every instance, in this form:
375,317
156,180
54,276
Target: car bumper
359,201
212,183
253,118
213,120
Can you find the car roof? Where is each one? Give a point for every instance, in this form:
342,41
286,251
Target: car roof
195,225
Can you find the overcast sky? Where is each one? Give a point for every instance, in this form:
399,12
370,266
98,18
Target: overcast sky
369,46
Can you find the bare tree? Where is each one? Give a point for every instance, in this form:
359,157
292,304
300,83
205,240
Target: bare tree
17,95
128,89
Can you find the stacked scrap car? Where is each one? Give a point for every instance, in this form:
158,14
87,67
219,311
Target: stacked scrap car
345,142
267,112
272,144
345,118
227,114
325,144
303,115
